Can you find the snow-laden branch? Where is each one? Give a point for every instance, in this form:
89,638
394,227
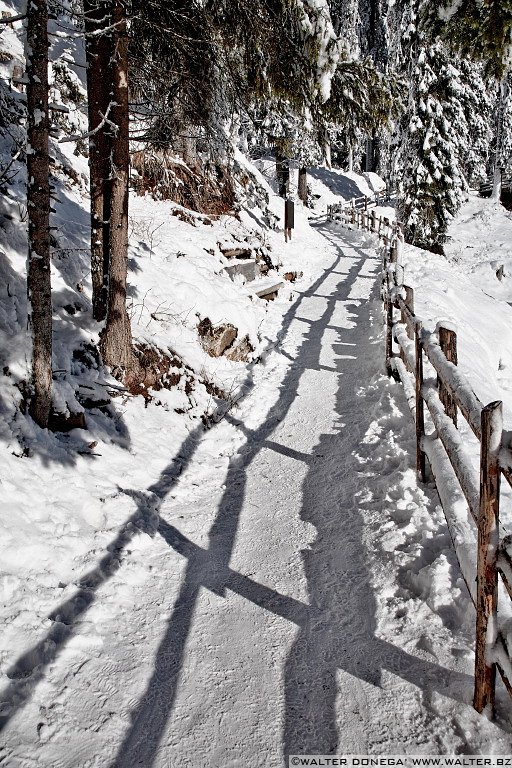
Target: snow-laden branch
104,121
11,19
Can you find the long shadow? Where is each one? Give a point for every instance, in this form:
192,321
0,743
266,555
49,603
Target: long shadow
150,718
341,185
342,635
209,568
30,668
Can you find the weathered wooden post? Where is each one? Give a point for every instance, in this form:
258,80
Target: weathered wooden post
289,219
448,344
409,303
487,574
389,315
420,414
374,219
365,203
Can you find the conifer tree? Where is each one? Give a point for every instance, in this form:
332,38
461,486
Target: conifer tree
427,171
482,29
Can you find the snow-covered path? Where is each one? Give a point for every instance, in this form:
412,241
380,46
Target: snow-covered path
305,606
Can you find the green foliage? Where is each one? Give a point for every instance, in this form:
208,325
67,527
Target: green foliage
203,63
427,168
481,29
362,99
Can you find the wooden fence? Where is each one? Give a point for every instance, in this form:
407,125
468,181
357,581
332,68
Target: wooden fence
410,350
363,202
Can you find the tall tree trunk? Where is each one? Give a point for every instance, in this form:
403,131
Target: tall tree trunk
303,185
99,54
38,205
350,159
327,151
116,337
496,182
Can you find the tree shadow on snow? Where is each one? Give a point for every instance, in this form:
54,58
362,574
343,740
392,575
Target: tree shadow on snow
339,635
337,630
30,668
340,185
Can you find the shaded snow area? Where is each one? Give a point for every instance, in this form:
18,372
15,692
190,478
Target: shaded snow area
277,584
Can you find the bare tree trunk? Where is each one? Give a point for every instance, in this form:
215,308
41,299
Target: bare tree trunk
116,337
350,159
303,185
99,53
187,146
496,181
38,205
327,152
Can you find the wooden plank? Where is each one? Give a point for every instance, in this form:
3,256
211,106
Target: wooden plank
487,574
454,447
468,403
265,288
403,341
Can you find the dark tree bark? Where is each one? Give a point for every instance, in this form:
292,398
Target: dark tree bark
99,53
116,337
38,205
303,185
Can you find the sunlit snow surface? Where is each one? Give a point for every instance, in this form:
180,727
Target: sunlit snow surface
280,583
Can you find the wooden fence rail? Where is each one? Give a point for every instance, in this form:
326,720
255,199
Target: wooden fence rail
445,394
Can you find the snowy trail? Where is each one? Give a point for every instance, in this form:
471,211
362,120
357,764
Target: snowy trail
273,616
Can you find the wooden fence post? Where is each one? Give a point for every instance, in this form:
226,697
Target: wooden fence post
487,574
409,302
374,218
389,329
365,203
420,413
448,344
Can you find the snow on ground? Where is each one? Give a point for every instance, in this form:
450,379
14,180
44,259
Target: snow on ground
277,584
462,290
326,185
